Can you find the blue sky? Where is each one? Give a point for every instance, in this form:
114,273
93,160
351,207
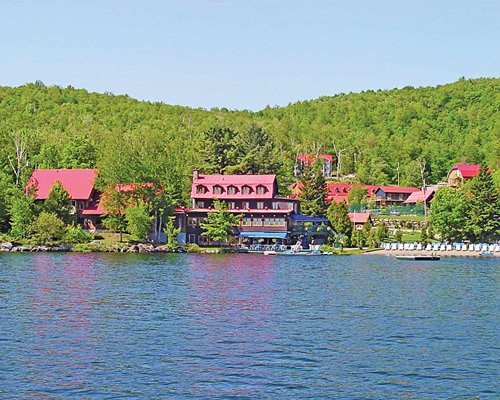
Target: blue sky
246,54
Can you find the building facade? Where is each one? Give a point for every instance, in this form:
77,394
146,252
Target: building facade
305,159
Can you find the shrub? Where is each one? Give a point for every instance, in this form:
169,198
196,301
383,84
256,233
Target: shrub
47,228
76,235
193,248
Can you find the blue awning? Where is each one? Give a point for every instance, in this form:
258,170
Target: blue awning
305,218
264,235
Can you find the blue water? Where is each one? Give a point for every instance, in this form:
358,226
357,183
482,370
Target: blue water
105,326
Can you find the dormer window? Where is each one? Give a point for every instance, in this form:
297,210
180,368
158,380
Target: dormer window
217,190
261,189
231,190
200,189
246,190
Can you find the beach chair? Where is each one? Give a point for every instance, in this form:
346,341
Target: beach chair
419,247
412,246
428,247
394,246
491,248
484,247
477,247
406,246
457,247
387,246
471,246
497,248
449,247
464,247
401,246
442,247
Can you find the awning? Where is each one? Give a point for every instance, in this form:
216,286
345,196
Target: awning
263,235
305,218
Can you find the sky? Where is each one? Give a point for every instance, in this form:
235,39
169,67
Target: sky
246,54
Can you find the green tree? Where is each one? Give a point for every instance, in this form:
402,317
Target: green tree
22,215
483,208
358,238
449,213
47,228
59,203
115,202
254,153
76,235
313,191
380,233
78,153
172,232
338,215
398,236
219,223
357,196
139,220
217,150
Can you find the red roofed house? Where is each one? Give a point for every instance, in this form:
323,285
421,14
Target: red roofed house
393,195
306,159
265,215
79,183
359,219
461,172
419,197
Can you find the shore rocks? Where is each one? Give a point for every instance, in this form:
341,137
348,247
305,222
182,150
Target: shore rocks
7,246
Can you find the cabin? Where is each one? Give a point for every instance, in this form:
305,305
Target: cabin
265,215
304,160
392,195
79,183
359,219
460,173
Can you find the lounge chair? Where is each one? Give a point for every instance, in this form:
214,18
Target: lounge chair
428,247
419,247
449,247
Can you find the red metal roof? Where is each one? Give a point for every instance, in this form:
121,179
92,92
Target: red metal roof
467,170
418,197
234,211
208,182
309,159
340,191
359,218
78,182
397,189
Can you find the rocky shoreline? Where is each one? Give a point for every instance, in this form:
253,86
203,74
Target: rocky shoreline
8,247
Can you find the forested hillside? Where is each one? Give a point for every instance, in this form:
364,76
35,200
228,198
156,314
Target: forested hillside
132,141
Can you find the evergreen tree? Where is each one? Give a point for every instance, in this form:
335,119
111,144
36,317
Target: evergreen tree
59,203
483,206
313,191
172,232
219,224
338,215
449,213
254,153
217,150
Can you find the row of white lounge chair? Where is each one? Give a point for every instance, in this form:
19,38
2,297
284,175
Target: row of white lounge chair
481,247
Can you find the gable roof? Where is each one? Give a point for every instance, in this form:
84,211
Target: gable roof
309,159
340,191
359,218
467,170
418,197
238,181
78,182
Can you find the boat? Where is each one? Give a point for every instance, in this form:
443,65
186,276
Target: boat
485,253
418,258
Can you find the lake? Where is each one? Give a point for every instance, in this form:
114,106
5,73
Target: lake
115,326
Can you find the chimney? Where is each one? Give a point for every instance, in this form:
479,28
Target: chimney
196,174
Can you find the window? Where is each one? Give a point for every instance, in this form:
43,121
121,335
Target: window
193,221
217,190
246,221
276,205
200,189
280,222
246,190
200,204
260,205
231,205
245,204
268,221
231,190
257,222
191,238
261,189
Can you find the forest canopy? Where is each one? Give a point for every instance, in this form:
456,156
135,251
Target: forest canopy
380,133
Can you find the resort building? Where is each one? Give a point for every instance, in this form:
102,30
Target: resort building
266,217
459,173
419,197
359,219
79,183
339,192
305,159
392,195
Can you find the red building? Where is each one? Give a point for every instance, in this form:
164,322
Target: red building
393,195
79,183
462,172
306,159
339,192
265,214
